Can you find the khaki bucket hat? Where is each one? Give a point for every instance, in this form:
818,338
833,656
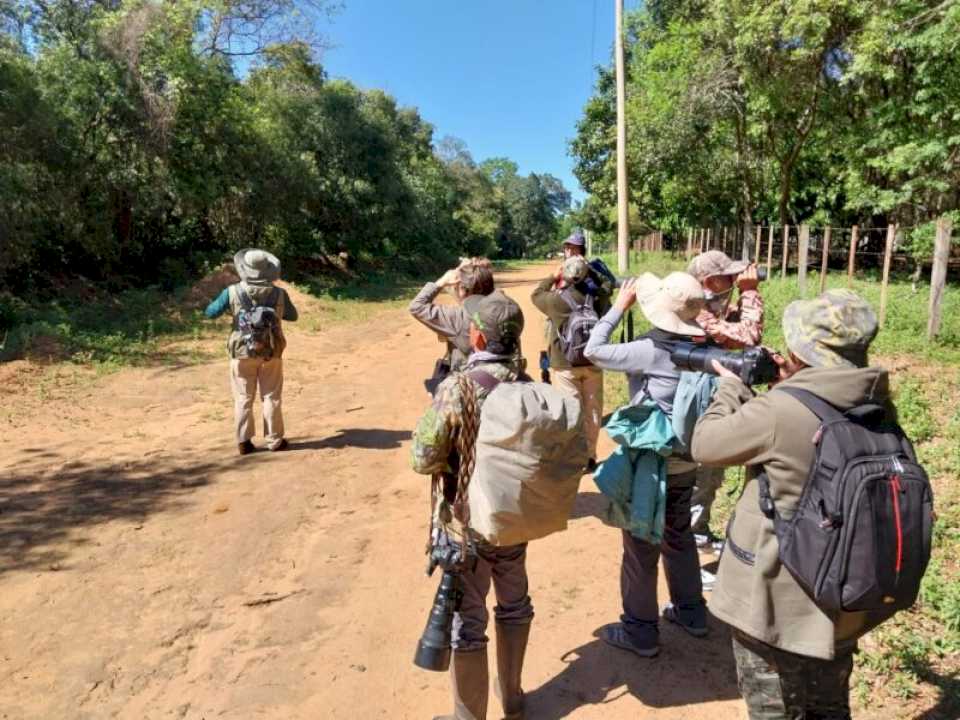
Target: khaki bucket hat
257,266
713,263
673,303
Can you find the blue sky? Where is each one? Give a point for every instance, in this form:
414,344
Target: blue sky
509,77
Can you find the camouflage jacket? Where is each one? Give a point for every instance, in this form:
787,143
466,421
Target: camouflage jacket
740,326
435,435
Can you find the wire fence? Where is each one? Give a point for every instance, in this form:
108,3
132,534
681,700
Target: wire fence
797,249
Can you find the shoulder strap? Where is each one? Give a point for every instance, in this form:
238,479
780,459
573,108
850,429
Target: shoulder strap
814,403
484,379
567,296
244,298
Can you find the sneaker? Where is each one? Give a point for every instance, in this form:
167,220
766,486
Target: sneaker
246,447
692,620
708,579
616,635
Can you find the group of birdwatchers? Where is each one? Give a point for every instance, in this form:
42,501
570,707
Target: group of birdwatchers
830,534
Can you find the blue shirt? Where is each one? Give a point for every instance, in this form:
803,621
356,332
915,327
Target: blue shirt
219,306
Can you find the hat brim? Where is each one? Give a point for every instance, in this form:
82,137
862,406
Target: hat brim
734,268
649,296
256,275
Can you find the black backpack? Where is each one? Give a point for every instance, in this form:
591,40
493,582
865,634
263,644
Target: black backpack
259,325
860,536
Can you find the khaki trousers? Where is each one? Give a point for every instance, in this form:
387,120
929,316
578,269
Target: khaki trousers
246,375
586,384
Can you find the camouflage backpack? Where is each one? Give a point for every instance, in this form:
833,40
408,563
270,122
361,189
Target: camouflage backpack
259,325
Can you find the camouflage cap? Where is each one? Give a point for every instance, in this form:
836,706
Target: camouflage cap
498,317
713,263
575,269
832,330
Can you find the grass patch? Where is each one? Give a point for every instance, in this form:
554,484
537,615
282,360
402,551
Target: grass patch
911,664
134,327
354,301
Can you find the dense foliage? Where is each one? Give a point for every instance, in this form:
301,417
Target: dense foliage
138,139
741,111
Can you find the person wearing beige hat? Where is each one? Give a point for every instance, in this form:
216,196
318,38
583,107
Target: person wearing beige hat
557,297
732,326
256,364
793,658
671,305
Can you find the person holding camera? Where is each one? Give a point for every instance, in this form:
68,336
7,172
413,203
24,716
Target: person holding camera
561,297
473,276
671,305
793,658
732,326
496,322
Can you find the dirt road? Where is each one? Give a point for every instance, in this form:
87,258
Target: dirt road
147,571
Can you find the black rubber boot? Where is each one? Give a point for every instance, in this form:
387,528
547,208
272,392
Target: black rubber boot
511,648
471,684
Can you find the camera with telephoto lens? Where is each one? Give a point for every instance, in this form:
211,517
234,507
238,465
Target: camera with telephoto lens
754,366
433,650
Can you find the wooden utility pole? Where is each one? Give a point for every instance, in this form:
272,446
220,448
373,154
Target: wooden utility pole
887,255
623,230
589,243
938,277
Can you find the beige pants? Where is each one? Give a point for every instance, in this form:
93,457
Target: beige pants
246,374
586,384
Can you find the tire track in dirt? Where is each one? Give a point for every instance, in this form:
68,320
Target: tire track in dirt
157,575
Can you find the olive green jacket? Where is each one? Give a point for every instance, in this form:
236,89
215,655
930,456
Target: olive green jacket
754,592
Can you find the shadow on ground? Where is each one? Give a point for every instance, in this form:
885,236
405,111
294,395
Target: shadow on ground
597,674
43,499
368,438
589,504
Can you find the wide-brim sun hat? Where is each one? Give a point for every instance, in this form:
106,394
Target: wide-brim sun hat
671,303
834,329
257,266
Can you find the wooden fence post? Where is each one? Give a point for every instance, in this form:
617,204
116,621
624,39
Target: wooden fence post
689,243
803,249
887,255
756,254
724,241
825,255
770,253
852,263
938,276
786,250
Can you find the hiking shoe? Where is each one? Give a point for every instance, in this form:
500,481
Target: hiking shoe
246,447
707,579
693,620
616,635
284,444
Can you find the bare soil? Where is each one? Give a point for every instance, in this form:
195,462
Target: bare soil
148,571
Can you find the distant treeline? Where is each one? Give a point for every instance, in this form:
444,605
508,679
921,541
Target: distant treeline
141,139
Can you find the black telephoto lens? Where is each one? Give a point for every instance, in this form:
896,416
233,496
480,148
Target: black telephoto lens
433,650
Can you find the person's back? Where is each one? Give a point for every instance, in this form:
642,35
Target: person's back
256,352
779,631
670,305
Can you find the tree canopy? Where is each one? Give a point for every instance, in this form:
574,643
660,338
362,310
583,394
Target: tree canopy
139,138
741,111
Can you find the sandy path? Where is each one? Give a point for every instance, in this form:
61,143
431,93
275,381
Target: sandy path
146,571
